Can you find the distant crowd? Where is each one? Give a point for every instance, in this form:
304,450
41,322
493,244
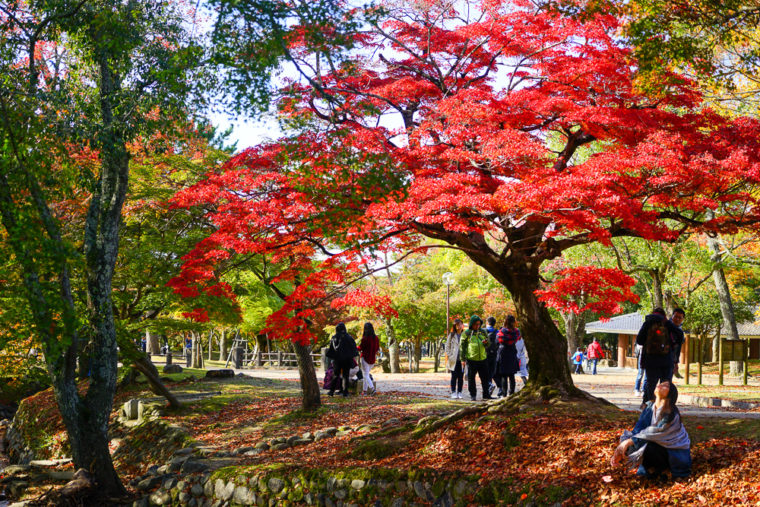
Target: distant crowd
495,355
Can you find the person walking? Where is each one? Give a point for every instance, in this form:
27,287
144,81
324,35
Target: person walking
578,361
368,348
638,388
473,351
342,351
677,338
453,364
507,363
657,336
493,346
522,358
595,353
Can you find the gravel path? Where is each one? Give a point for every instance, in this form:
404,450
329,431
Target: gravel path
612,384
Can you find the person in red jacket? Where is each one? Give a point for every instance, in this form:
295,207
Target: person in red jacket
595,353
369,346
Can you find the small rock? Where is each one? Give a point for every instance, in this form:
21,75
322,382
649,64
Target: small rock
187,451
196,490
172,368
262,445
150,483
280,447
340,494
391,422
129,409
191,467
254,452
223,491
181,485
175,464
420,490
161,497
220,373
292,439
169,484
275,485
342,433
163,469
302,441
330,431
184,497
357,484
242,450
345,428
143,502
308,435
397,502
243,496
321,435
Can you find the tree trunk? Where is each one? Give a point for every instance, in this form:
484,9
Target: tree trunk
715,342
575,328
153,347
417,356
393,351
144,366
210,342
724,298
657,298
547,347
223,346
309,384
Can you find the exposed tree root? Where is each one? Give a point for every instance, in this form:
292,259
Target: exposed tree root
529,395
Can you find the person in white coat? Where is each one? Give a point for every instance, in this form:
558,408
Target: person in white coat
522,356
453,364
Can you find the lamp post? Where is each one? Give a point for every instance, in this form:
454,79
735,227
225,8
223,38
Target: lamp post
448,279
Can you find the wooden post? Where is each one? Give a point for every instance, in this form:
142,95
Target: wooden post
687,348
279,359
746,363
720,361
700,356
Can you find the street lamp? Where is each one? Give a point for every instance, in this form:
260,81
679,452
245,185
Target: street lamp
448,279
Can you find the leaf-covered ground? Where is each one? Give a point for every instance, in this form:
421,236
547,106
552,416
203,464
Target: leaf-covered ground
546,453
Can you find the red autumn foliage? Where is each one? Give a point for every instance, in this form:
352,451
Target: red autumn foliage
589,288
465,123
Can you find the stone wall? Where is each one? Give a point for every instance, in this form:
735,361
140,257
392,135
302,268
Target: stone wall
288,485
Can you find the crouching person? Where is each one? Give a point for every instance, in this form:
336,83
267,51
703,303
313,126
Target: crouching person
659,441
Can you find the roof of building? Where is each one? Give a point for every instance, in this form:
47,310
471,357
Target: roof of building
630,323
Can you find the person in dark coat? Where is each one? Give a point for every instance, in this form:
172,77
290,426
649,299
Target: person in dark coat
342,351
507,363
493,347
657,364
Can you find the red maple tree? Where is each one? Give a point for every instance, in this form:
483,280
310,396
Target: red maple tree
464,122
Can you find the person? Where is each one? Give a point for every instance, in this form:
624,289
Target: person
368,348
677,337
594,354
657,336
491,351
638,389
578,358
659,441
522,357
342,351
143,343
507,363
453,363
472,350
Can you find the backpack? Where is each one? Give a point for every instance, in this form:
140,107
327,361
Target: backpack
658,340
329,378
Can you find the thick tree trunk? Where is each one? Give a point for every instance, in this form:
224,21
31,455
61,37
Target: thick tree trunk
417,355
309,384
547,347
657,298
153,347
714,353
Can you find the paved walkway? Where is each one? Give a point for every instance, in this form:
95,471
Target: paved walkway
612,384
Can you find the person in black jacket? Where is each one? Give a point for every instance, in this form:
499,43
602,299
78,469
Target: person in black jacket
342,351
657,354
493,373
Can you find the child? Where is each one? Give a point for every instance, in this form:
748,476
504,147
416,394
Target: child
578,358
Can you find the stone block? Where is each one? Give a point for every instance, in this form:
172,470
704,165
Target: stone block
130,409
173,368
220,373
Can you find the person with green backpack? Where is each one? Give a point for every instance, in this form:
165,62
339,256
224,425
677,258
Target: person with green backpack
473,350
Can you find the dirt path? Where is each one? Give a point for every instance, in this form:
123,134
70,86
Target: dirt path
612,384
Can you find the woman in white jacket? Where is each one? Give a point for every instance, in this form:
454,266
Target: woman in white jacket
453,364
522,356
